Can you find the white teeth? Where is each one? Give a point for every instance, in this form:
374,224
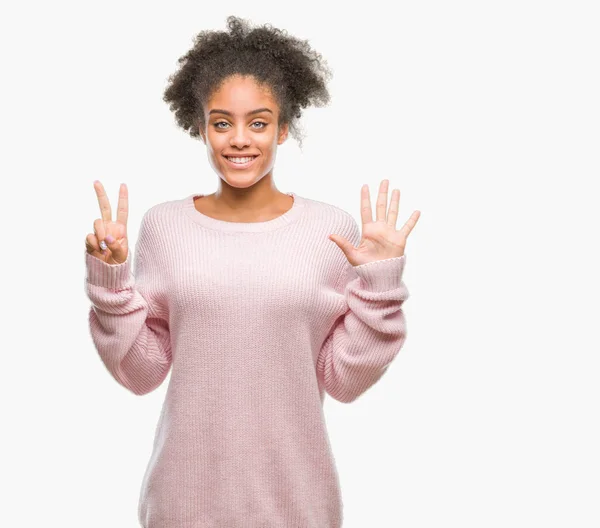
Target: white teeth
240,160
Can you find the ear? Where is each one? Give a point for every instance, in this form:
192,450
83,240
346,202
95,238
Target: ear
202,133
283,133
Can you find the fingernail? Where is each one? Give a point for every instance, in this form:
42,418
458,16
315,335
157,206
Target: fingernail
109,239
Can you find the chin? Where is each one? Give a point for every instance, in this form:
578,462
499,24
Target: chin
239,182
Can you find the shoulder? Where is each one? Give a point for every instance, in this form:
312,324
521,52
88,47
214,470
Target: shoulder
337,219
155,225
161,211
157,219
332,211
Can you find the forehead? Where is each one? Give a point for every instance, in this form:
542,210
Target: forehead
240,94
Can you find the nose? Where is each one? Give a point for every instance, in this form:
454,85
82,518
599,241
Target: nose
239,138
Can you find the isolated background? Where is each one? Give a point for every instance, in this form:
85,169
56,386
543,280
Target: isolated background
484,114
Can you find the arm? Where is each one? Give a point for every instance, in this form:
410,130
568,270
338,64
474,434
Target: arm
364,341
127,325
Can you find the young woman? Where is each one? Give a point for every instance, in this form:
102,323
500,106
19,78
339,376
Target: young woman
259,302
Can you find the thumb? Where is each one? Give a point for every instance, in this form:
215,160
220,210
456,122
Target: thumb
118,252
344,244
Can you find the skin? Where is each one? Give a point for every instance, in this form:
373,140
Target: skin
114,234
244,195
250,195
380,240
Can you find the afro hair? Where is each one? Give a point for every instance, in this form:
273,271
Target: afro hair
296,74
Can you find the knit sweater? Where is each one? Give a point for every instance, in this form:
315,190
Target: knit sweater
255,321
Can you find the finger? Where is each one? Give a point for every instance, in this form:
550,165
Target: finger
91,246
91,243
123,207
381,205
410,224
392,216
117,251
366,214
345,245
99,231
103,201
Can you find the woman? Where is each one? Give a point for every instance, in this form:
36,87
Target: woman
243,297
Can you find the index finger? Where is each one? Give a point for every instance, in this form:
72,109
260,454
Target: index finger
105,211
366,213
123,207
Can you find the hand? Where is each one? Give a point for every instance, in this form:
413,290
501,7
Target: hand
380,240
114,234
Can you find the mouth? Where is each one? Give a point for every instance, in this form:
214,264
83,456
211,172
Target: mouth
240,162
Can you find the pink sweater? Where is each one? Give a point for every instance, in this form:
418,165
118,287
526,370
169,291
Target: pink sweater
254,322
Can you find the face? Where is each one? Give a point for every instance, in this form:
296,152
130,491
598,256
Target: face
241,122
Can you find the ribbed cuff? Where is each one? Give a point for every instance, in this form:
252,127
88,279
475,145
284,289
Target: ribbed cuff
112,276
382,275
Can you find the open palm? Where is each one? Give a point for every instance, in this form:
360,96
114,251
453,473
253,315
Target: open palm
380,239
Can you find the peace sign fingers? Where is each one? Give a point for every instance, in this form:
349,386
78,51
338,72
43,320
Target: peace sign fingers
123,206
105,210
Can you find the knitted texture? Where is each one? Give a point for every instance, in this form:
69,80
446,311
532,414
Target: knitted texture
255,322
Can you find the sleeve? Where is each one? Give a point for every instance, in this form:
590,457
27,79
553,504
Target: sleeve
128,326
365,340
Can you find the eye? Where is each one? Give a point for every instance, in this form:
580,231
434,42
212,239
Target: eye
217,123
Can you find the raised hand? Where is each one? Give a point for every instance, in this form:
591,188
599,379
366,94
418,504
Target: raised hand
112,235
380,239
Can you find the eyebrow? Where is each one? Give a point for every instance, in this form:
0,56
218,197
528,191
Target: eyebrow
226,112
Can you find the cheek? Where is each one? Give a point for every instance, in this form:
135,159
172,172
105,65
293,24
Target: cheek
267,144
215,144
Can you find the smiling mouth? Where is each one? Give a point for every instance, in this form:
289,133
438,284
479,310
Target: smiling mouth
240,162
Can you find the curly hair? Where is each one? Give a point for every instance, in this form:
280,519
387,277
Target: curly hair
296,74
